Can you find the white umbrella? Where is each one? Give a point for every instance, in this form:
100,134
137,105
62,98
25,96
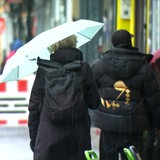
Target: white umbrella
24,61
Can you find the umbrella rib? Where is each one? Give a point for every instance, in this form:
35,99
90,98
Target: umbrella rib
83,35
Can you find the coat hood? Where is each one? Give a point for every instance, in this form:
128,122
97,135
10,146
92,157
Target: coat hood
65,55
64,58
122,63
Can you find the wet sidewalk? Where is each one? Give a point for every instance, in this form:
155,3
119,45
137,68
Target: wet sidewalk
95,139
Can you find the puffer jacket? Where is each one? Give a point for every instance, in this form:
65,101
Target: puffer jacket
130,98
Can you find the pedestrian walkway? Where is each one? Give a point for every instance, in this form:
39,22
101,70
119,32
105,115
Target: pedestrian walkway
95,140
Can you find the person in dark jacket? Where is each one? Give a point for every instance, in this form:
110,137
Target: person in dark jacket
130,99
61,141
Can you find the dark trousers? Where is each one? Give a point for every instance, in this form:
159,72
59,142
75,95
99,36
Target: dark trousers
111,144
152,146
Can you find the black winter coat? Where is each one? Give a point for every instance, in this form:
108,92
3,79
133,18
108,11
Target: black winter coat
52,141
130,98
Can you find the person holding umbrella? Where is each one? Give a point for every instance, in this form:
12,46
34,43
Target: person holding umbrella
130,97
53,136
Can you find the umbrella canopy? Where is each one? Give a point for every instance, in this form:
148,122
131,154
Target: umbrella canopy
155,62
24,62
156,56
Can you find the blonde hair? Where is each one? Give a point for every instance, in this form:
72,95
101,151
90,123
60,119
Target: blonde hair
70,41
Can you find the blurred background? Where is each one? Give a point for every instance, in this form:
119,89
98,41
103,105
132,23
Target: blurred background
22,20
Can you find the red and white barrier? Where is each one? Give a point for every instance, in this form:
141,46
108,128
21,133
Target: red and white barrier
14,99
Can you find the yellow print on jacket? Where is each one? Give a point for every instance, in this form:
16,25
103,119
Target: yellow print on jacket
119,86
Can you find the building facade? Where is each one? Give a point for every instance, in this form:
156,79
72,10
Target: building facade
25,19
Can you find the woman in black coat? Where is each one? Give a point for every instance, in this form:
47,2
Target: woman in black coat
61,141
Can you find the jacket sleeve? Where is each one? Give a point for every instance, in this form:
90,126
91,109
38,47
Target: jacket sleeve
91,94
35,104
98,70
152,97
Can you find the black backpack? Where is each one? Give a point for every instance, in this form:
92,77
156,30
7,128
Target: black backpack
64,94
